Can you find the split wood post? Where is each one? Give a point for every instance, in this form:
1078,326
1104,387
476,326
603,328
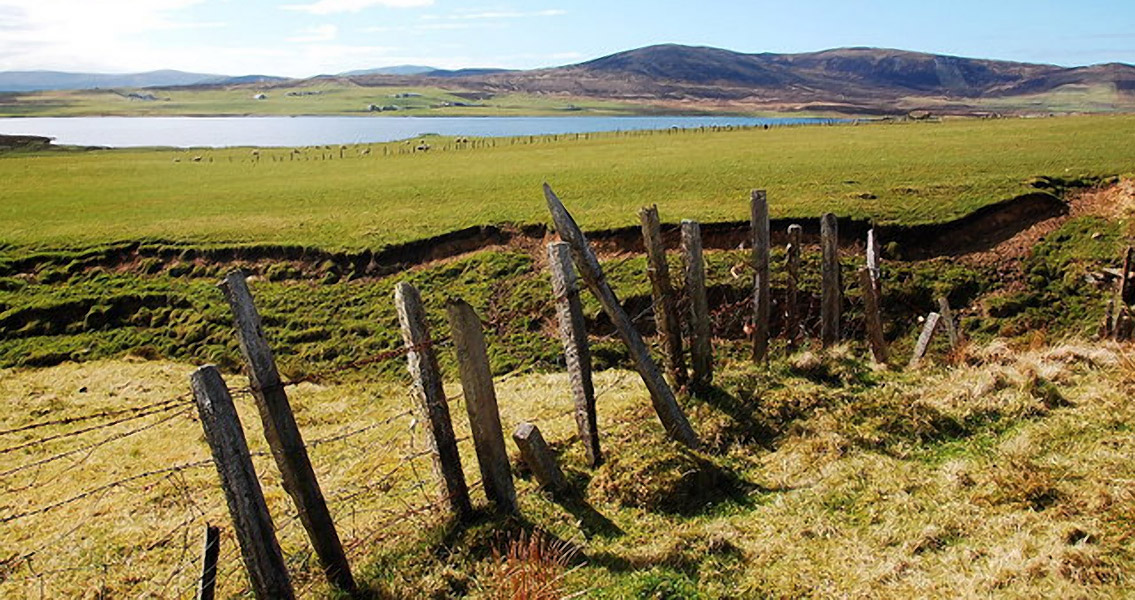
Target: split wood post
283,434
762,304
539,458
433,408
924,338
481,404
871,316
665,405
210,551
831,299
952,332
669,324
873,262
577,354
255,532
792,295
701,348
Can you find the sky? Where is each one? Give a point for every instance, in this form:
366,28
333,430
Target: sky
299,38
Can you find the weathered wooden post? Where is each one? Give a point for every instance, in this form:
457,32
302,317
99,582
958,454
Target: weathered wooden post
873,262
577,354
762,303
792,293
701,348
871,317
252,524
831,300
1126,289
928,330
433,408
665,405
283,434
536,454
481,404
952,332
210,551
666,316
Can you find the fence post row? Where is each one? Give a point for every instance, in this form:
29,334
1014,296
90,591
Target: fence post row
481,404
577,354
255,532
924,338
666,318
283,434
871,316
701,348
792,294
831,298
539,458
665,405
210,552
762,304
433,408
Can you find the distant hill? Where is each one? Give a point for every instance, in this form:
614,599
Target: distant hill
395,70
27,81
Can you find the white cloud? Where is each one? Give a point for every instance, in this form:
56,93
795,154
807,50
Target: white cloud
319,33
552,12
327,7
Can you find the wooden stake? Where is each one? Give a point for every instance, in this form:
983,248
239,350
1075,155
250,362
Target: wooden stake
210,551
481,404
666,318
949,321
665,405
792,294
283,434
577,354
924,339
1127,290
701,348
832,299
871,317
762,304
873,262
433,408
255,532
539,458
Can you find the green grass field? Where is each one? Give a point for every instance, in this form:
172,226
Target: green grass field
386,193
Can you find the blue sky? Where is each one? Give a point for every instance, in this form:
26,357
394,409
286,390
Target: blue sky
308,37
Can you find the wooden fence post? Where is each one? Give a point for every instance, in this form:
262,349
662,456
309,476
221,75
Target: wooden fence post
433,408
873,262
701,348
871,317
951,323
762,304
666,317
283,434
1126,289
924,338
665,405
210,551
792,294
255,532
536,454
481,404
577,354
831,299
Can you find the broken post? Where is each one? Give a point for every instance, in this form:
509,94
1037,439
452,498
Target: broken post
762,304
210,551
577,354
831,298
666,317
283,434
871,316
952,332
924,339
792,292
255,533
701,349
433,408
665,405
481,404
539,458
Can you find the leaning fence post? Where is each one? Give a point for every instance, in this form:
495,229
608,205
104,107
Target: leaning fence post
210,551
701,349
924,338
433,408
873,261
283,434
481,404
831,299
666,316
665,405
792,292
536,454
762,304
255,532
871,317
577,355
951,323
